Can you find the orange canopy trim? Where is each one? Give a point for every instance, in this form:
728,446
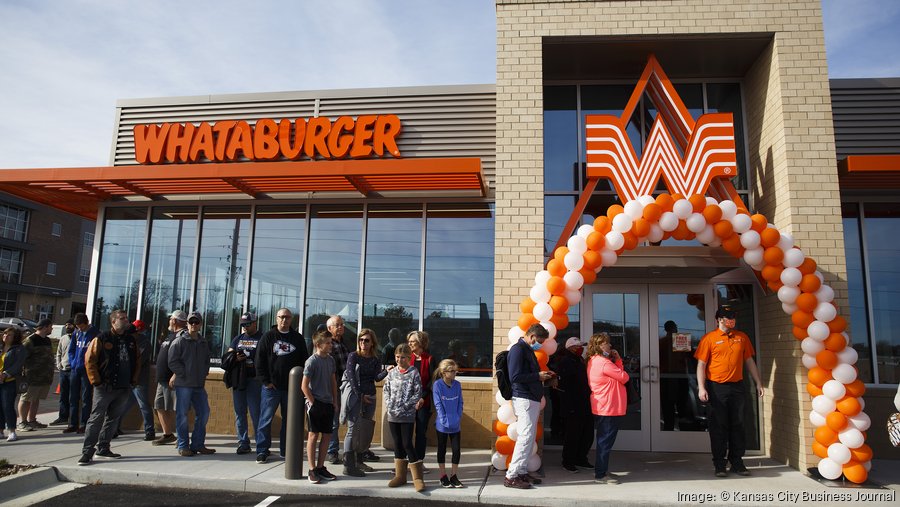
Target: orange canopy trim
80,190
870,171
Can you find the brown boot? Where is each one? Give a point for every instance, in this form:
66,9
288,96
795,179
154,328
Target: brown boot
416,469
400,466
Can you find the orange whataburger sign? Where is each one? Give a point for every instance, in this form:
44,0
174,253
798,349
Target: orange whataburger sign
266,140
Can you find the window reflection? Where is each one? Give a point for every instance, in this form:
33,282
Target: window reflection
856,291
277,270
459,285
560,138
881,223
120,263
557,209
221,274
726,98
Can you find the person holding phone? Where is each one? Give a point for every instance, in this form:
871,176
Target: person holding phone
609,401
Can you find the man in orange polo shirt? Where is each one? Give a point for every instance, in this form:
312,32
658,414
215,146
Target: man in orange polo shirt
721,358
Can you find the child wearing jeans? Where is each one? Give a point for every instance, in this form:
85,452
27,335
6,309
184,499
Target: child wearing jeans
320,389
448,404
402,397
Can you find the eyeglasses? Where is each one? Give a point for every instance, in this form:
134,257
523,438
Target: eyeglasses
194,322
364,340
285,316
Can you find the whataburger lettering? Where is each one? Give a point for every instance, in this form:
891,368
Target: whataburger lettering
229,140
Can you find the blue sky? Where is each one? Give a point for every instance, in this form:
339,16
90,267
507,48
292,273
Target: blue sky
65,63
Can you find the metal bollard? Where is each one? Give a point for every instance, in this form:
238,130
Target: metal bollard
293,443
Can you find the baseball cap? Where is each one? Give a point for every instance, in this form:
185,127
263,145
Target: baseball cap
574,342
138,325
248,318
725,312
179,315
195,316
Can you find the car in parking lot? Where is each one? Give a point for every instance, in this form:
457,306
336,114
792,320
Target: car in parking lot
24,324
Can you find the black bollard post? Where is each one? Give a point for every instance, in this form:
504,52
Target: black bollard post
293,447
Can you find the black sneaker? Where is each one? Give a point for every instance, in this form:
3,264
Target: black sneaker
454,481
445,481
585,464
243,449
530,478
149,437
108,454
370,456
323,473
59,420
335,458
740,470
262,457
85,459
721,472
570,468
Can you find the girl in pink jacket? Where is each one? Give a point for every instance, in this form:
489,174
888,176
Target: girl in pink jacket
608,401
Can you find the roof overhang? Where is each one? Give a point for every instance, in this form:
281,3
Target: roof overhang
869,171
80,190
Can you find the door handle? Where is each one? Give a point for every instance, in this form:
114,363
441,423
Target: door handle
654,373
645,374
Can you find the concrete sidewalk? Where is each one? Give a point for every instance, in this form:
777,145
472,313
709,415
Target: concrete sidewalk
647,478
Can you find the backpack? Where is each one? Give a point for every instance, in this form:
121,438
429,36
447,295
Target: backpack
503,382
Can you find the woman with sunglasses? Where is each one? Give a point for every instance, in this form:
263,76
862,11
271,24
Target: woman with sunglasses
358,402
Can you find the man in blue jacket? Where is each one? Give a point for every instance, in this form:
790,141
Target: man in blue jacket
80,390
527,390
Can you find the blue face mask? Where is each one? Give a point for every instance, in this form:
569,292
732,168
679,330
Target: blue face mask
536,346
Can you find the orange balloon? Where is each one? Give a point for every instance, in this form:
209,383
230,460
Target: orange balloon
855,472
500,428
775,285
602,225
561,321
807,302
836,421
849,406
557,286
527,305
855,388
641,228
682,232
818,375
676,197
732,245
835,342
802,319
758,222
526,320
559,304
596,241
723,229
556,267
827,359
508,459
773,255
813,389
560,253
615,209
539,431
505,445
588,275
712,214
592,260
771,273
698,202
808,267
810,283
769,237
838,325
861,454
799,332
824,435
652,212
665,202
542,358
631,240
819,450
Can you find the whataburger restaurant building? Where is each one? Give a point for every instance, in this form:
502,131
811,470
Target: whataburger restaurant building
554,196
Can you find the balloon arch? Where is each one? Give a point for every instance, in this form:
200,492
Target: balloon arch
837,392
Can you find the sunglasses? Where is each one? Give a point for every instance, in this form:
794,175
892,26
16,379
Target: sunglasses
364,340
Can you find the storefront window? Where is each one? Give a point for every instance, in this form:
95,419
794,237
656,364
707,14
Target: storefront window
560,138
221,274
881,224
393,271
726,98
170,268
459,285
332,276
856,291
557,209
121,252
277,271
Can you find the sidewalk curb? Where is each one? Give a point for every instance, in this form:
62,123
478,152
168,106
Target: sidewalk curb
29,481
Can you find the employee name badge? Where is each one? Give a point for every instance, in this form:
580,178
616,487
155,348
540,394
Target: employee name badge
681,342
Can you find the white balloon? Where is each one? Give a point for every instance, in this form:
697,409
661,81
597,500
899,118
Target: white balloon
585,230
818,330
696,222
646,199
512,431
826,312
786,242
753,256
741,223
573,297
710,201
825,294
550,327
844,373
506,414
811,347
574,280
542,311
539,293
573,261
750,239
534,462
614,241
788,294
816,418
848,355
834,390
534,450
860,421
576,244
668,221
791,277
793,258
829,469
656,233
715,243
820,276
851,437
789,308
542,277
729,210
707,235
543,402
514,334
867,465
499,399
862,403
609,257
550,346
634,209
622,223
498,461
839,453
809,361
683,208
823,405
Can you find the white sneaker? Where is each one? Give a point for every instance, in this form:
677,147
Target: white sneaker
12,437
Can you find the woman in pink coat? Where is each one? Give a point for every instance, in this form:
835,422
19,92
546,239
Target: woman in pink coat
608,400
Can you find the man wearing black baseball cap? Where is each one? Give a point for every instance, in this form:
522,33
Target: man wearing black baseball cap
721,357
240,368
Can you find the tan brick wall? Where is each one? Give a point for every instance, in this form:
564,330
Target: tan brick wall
791,145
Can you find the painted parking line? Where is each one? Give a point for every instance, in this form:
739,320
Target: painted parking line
268,501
